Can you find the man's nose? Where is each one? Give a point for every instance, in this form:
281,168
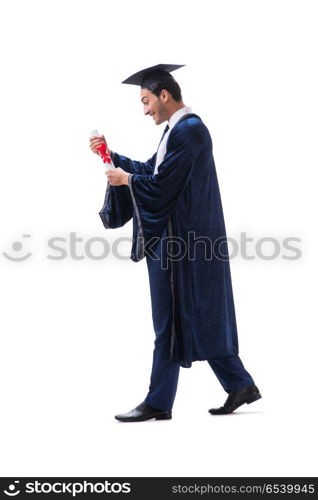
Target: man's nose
146,111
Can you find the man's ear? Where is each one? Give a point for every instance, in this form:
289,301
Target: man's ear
164,95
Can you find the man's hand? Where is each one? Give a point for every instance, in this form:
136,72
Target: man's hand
117,176
96,141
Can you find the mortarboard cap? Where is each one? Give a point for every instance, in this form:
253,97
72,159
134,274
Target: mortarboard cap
152,74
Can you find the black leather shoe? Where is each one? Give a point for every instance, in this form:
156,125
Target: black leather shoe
238,398
144,412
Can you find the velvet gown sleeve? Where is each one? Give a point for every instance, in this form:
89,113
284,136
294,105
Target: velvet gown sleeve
133,166
117,208
155,196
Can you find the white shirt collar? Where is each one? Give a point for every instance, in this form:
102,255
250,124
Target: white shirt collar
177,115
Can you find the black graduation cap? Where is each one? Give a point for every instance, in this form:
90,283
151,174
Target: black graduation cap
152,74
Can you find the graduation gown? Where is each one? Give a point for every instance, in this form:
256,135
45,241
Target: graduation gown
184,198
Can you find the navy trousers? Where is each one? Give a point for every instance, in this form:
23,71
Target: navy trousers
165,373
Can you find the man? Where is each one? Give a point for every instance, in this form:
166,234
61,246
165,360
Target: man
178,225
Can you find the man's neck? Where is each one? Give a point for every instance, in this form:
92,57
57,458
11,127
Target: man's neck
178,106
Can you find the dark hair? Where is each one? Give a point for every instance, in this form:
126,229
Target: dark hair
164,82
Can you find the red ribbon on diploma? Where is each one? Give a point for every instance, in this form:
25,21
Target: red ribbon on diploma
102,149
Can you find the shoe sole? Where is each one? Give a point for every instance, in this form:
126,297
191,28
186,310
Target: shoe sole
159,417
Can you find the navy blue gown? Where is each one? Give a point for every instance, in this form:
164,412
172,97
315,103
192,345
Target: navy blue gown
178,225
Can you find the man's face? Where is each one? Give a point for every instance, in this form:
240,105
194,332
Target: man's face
154,106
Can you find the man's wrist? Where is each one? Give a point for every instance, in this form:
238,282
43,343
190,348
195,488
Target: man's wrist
126,178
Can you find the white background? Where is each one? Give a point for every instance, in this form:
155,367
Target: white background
76,334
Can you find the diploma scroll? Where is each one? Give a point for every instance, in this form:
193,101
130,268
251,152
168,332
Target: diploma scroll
103,152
